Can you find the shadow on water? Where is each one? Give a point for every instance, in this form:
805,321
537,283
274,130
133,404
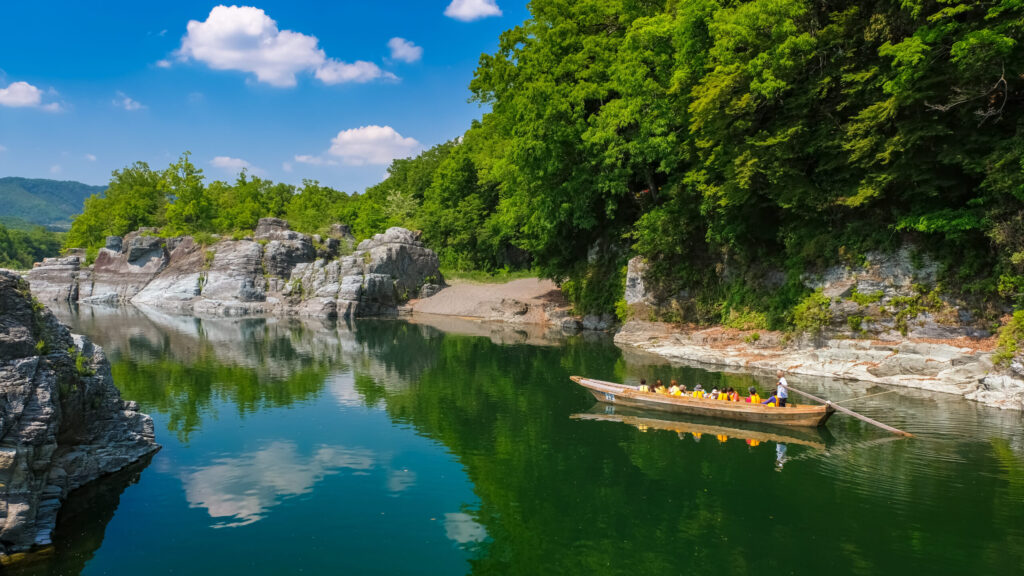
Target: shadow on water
81,525
558,494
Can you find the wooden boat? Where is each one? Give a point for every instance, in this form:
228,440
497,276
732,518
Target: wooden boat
791,415
813,437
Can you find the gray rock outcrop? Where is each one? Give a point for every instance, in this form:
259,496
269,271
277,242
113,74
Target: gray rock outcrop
892,296
62,421
277,270
382,272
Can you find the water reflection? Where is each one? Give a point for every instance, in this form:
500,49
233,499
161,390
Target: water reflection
537,491
240,490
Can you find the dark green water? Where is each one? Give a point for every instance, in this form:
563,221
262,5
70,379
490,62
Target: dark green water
394,448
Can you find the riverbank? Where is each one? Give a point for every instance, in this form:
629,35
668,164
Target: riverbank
962,366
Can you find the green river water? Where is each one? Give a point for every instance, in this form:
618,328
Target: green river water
390,447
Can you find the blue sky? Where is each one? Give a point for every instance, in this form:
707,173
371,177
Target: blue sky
292,90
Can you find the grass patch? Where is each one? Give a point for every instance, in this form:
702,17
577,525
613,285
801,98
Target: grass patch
499,276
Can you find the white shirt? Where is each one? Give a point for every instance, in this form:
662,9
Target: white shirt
781,392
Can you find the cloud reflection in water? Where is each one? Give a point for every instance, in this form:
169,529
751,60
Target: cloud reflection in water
240,490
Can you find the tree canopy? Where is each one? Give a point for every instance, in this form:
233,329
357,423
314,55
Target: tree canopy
736,146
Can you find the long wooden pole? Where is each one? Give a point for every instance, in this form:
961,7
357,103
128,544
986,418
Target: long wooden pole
852,413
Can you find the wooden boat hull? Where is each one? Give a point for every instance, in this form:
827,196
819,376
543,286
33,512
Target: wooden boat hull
793,415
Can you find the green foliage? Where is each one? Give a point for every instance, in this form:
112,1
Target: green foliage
904,308
32,202
82,366
746,319
19,248
856,324
752,338
1011,338
866,299
812,314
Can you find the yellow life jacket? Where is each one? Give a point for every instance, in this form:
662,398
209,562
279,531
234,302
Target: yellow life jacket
755,399
754,442
660,389
722,437
723,396
698,393
676,392
771,404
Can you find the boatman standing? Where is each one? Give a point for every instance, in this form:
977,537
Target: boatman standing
782,390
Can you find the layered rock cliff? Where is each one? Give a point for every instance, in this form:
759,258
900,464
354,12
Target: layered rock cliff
276,270
62,421
887,323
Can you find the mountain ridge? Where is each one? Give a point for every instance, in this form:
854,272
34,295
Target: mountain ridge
50,203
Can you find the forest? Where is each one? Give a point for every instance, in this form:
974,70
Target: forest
735,146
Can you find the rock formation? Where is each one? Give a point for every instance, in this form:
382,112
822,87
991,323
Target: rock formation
888,324
62,420
277,270
890,297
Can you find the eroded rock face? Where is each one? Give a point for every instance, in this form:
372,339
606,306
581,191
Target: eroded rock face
56,279
890,297
278,270
383,271
62,420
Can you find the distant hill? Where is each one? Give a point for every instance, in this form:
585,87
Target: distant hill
49,203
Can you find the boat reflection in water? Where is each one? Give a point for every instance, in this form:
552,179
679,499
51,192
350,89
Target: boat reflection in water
697,427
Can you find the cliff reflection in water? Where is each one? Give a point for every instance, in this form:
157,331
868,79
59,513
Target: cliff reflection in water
536,490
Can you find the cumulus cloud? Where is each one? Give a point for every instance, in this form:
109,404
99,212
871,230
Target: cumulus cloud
371,145
25,95
90,157
124,101
360,72
165,63
229,163
404,50
246,39
56,169
314,160
469,10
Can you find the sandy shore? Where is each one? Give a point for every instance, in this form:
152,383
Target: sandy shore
524,301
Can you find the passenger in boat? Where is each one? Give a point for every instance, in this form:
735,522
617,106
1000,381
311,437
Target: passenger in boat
714,394
674,389
643,386
698,391
734,396
754,398
660,388
782,389
723,394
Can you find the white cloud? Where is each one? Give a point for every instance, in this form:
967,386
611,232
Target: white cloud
314,160
404,50
244,38
124,101
25,95
469,10
360,72
163,63
90,157
55,169
230,163
371,145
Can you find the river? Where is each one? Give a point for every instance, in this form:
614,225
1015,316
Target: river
390,447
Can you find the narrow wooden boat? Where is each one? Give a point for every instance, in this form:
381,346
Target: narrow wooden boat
640,419
791,415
